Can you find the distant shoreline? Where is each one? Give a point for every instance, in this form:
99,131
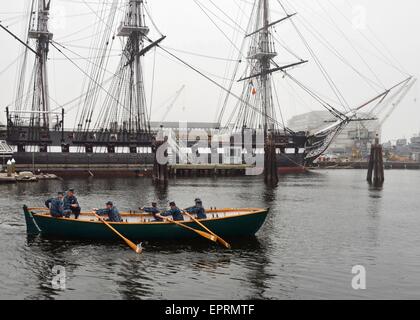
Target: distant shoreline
364,165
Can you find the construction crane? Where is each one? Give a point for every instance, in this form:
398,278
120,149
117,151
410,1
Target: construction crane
172,104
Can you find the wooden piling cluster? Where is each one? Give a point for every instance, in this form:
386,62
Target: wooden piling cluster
375,174
270,161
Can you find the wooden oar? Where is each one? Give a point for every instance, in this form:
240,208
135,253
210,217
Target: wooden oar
201,233
219,239
137,248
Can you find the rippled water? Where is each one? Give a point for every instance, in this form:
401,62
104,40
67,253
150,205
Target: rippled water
320,225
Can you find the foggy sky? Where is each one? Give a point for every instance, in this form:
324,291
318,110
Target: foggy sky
394,24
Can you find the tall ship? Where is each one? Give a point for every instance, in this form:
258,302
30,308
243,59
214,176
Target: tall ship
117,128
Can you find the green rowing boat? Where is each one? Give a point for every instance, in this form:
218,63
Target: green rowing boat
228,223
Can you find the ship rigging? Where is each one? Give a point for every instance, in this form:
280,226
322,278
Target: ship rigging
113,113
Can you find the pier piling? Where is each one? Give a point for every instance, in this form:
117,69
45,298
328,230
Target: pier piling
270,163
375,174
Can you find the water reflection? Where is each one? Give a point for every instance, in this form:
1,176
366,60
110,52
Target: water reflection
256,255
42,258
269,194
161,191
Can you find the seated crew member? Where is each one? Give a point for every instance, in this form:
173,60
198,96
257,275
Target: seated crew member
154,211
173,211
110,211
198,209
71,205
57,206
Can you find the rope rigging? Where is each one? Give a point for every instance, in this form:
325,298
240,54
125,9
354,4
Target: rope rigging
215,82
124,105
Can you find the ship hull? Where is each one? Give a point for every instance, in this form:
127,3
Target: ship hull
82,162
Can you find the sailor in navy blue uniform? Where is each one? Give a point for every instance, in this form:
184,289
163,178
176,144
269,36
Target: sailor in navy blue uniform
198,209
154,211
110,211
71,205
174,211
56,206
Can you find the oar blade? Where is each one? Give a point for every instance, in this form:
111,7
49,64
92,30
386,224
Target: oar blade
136,248
139,249
223,243
207,235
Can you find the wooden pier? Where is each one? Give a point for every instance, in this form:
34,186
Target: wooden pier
208,170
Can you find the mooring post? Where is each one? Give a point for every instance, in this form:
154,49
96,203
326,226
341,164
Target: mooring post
9,168
376,173
371,164
13,162
270,163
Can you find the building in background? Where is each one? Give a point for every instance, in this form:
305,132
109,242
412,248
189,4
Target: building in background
415,148
6,153
403,149
353,142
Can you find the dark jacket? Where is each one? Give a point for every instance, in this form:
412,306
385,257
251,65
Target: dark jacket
57,208
113,214
69,201
198,210
153,211
175,213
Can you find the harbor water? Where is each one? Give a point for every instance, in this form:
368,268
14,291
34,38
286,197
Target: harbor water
321,224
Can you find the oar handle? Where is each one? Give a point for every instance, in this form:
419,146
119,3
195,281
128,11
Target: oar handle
201,233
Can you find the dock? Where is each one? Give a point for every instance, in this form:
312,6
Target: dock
364,165
25,177
208,170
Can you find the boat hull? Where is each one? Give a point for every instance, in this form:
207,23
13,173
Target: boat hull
229,227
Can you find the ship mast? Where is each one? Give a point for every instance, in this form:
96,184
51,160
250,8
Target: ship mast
134,28
39,32
260,57
264,61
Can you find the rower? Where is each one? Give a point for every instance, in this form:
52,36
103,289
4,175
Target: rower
174,211
71,205
110,211
197,209
154,211
57,206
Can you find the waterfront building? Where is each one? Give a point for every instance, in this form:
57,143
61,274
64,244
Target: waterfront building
6,153
415,148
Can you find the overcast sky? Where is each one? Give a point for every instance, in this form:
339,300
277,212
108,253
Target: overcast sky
378,37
